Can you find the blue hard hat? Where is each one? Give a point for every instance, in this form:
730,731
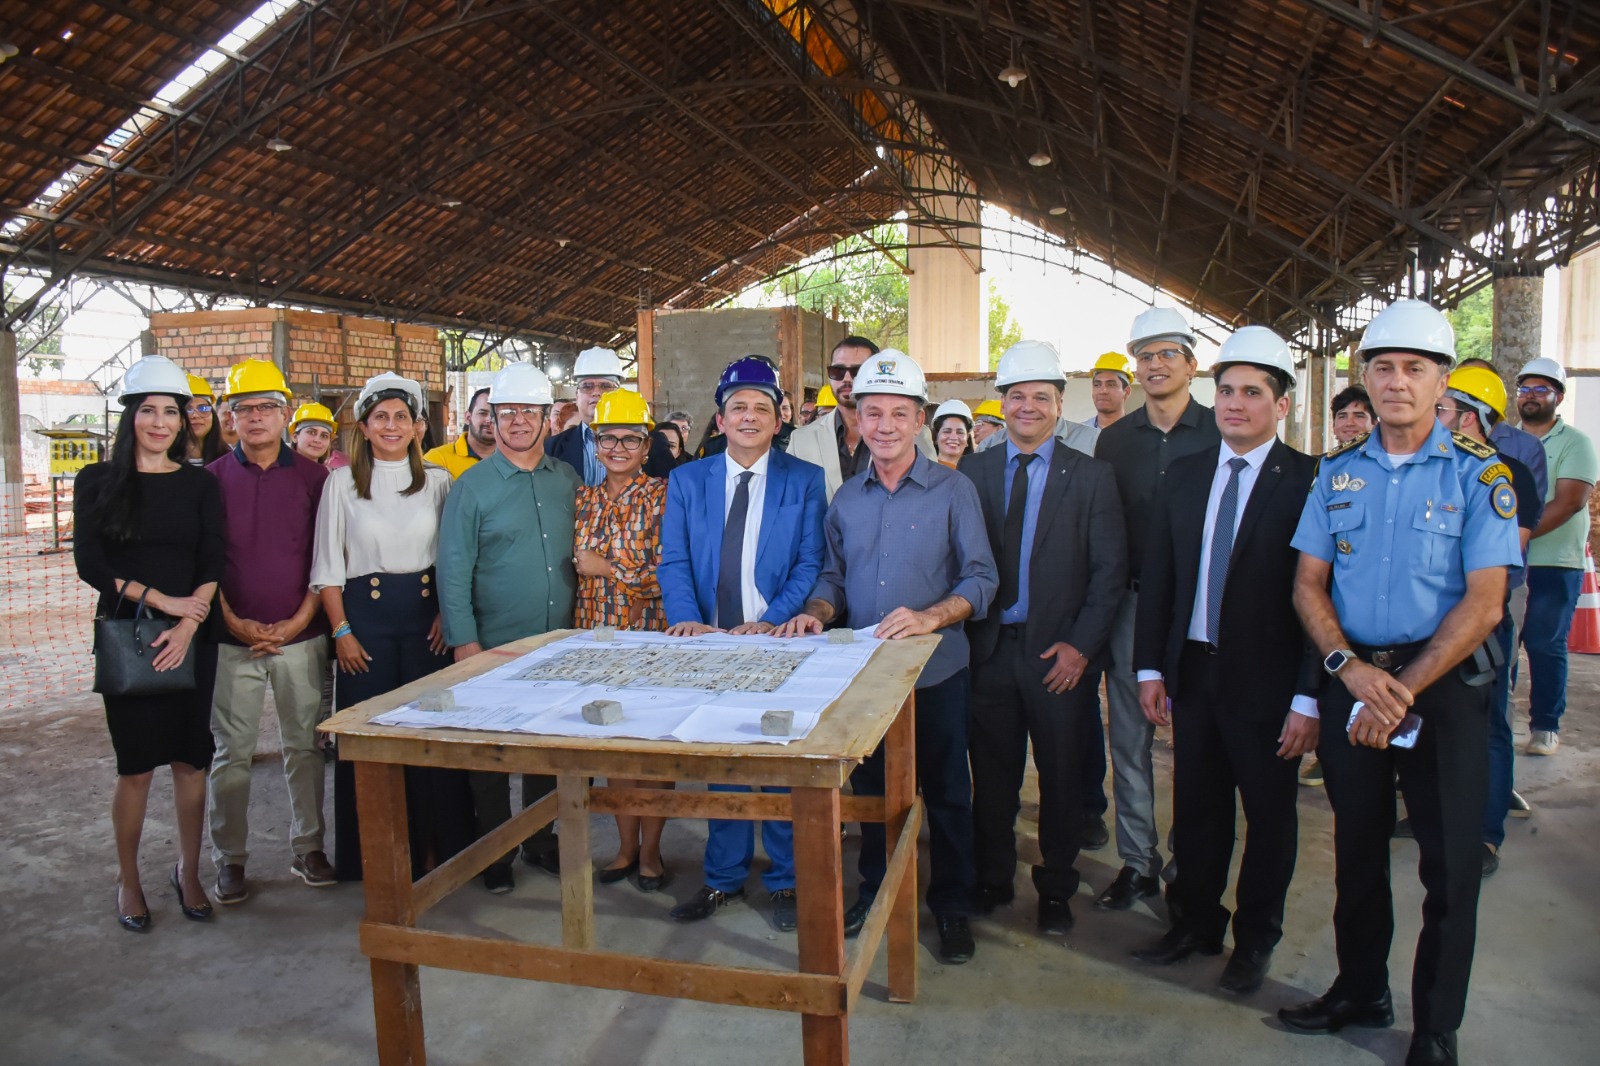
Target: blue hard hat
749,372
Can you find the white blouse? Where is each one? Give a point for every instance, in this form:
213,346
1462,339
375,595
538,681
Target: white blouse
388,534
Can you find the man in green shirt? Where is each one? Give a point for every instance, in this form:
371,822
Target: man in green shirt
505,572
1555,555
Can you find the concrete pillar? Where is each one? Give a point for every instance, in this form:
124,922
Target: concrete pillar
1518,324
947,305
13,520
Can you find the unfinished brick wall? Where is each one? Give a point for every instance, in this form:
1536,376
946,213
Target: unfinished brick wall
320,354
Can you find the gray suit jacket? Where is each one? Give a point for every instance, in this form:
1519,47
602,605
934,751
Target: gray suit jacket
1079,566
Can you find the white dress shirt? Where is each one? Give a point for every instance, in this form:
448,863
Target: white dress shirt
755,605
388,534
1254,459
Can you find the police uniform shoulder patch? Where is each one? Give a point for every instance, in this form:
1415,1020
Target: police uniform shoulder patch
1472,447
1354,442
1504,500
1493,472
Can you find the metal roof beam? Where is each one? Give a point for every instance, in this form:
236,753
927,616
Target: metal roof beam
1374,25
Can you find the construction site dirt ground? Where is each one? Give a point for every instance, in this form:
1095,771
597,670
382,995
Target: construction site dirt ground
280,979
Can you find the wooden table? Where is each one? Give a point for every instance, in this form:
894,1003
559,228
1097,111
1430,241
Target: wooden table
877,707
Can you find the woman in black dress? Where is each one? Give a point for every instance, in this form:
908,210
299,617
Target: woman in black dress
148,524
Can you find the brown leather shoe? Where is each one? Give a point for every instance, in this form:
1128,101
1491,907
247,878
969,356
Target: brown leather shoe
230,885
314,869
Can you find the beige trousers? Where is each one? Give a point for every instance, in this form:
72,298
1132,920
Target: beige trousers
296,679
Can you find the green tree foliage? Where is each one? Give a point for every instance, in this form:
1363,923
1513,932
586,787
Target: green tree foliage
857,284
1004,329
1473,322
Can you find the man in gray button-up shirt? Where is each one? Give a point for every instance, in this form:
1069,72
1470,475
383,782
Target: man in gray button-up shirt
907,554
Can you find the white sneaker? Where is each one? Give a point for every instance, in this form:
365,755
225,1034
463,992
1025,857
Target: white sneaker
1543,742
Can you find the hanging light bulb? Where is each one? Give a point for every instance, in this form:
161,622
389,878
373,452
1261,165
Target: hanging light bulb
1041,158
1058,210
1013,74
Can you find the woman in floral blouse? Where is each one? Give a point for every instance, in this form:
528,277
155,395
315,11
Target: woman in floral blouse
617,548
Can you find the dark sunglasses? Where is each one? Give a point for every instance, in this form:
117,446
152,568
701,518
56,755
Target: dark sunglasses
839,371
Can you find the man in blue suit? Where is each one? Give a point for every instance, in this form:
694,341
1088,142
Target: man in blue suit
741,548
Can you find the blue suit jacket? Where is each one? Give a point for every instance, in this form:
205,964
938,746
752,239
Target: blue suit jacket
788,551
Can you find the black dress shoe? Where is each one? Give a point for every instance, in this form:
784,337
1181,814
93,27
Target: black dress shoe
133,923
546,856
1245,972
856,916
785,914
1129,887
1329,1013
704,903
1175,946
654,882
610,875
955,938
1095,835
201,913
498,879
988,897
1055,916
1491,859
1432,1049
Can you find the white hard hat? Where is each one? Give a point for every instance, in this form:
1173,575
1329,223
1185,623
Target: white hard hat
954,407
1258,346
1159,323
1544,368
597,363
1409,326
521,383
891,373
154,374
388,386
1029,361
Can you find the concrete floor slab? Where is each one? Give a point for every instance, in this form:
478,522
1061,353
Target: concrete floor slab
279,979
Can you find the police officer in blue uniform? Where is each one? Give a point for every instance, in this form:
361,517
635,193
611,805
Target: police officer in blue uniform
1405,542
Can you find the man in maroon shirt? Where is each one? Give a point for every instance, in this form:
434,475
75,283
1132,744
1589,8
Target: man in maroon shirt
276,632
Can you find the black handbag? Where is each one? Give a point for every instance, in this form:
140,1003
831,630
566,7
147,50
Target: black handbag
124,661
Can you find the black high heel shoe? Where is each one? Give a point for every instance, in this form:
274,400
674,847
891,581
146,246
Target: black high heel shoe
201,913
133,923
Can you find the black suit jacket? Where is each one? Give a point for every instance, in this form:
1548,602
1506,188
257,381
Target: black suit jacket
568,447
1262,649
1079,566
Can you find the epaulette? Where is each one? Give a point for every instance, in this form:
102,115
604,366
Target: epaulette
1354,442
1473,447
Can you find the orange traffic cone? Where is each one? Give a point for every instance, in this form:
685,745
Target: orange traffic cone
1585,635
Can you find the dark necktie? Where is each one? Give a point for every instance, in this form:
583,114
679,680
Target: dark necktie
730,572
1222,548
1011,534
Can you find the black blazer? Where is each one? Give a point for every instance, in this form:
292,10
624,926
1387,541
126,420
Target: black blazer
1079,567
568,447
1263,650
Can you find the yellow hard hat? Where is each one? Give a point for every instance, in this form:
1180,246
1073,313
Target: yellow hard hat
622,407
1115,362
825,397
199,386
257,375
988,409
1483,385
311,412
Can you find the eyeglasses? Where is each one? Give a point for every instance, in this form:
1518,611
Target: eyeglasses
1540,391
610,442
199,408
596,386
840,371
511,414
250,410
1166,355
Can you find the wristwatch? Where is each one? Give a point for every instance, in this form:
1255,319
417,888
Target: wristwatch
1337,660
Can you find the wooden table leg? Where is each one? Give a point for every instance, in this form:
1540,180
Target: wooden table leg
386,875
818,870
900,792
577,873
